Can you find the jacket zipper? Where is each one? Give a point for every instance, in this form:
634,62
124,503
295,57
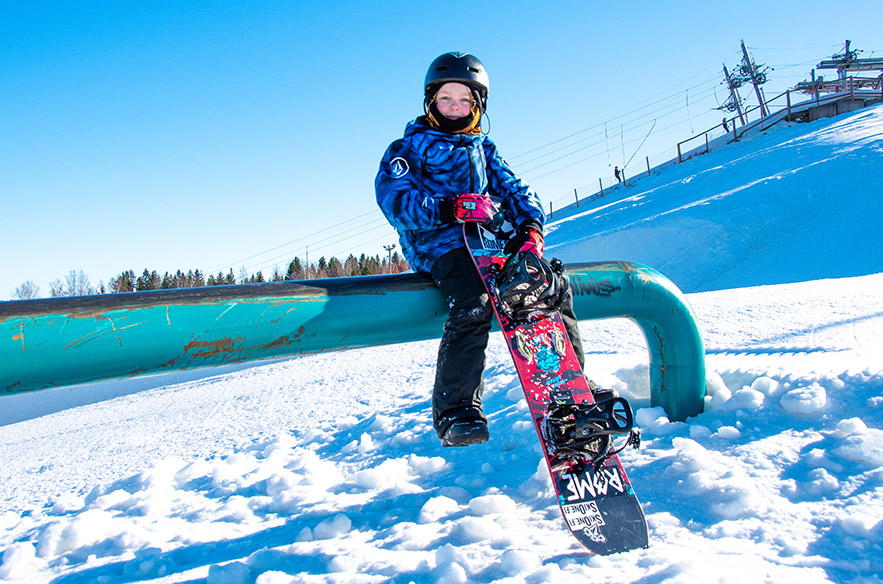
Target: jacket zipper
471,168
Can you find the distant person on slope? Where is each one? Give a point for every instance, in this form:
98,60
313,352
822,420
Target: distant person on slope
442,173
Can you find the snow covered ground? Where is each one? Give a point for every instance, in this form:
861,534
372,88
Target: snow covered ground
324,468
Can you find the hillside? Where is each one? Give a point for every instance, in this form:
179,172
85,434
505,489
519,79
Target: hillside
797,202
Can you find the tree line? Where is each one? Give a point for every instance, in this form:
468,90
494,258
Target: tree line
76,283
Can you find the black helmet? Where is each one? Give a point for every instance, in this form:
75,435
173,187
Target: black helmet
460,68
526,285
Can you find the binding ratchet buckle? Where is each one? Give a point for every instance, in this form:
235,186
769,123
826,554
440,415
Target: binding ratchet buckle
526,286
581,434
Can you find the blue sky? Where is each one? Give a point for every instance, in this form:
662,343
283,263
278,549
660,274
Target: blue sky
167,135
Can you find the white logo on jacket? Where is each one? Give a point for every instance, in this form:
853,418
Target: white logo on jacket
398,167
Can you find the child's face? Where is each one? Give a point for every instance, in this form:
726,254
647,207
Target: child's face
454,101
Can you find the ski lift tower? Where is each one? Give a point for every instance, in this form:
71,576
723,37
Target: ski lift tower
750,71
848,61
734,103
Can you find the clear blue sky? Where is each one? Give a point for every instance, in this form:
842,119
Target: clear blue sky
167,135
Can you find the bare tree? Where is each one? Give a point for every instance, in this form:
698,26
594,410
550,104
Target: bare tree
75,284
78,284
26,291
56,288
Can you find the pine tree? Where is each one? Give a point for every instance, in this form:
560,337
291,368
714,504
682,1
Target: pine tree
125,282
295,270
351,266
399,264
148,281
335,268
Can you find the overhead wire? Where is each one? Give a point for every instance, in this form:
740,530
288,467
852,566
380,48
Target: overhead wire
353,232
669,110
565,147
230,265
372,218
641,106
633,122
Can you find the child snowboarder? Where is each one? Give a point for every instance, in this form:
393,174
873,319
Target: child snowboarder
444,172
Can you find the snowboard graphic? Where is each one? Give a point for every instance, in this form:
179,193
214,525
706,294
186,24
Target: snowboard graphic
594,493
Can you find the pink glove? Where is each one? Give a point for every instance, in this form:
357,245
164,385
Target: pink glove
527,239
534,243
473,207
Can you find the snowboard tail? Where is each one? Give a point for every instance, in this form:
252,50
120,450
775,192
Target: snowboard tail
594,493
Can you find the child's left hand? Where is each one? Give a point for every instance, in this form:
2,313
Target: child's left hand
477,208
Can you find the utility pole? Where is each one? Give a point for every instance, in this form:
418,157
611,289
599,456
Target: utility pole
757,77
735,102
848,56
389,249
308,262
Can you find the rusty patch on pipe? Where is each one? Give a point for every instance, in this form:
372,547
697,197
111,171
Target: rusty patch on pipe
283,341
280,342
206,349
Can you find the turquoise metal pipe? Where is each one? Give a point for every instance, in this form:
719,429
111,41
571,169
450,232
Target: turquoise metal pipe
662,312
65,341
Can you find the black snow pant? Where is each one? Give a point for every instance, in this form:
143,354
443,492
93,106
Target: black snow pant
459,383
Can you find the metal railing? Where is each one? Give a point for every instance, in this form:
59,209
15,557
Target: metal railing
850,89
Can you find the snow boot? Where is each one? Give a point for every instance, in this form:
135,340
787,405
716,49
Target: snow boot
465,432
599,394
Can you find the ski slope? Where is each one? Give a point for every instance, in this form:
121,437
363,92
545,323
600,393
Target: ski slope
324,468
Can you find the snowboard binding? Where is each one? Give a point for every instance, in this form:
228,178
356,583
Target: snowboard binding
527,287
582,434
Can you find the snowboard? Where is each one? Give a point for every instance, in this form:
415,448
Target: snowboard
596,497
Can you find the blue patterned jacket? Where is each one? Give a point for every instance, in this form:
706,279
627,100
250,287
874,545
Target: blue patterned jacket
426,166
